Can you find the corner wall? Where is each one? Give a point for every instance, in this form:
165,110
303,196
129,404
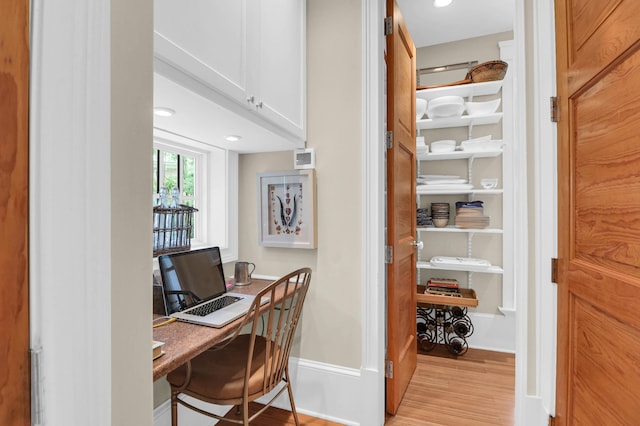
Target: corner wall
331,323
131,218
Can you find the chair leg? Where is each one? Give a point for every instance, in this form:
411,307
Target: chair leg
174,409
245,412
290,392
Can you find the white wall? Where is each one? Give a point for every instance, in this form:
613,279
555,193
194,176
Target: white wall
90,221
131,218
331,325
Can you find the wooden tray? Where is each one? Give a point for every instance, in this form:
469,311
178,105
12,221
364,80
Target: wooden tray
468,298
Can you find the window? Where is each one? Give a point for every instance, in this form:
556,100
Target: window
207,177
177,170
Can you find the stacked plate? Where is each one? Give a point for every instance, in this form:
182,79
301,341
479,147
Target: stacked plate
445,106
440,214
470,215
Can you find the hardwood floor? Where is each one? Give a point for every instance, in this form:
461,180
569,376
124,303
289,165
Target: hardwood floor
476,389
277,417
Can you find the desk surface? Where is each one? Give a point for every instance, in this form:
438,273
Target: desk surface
184,341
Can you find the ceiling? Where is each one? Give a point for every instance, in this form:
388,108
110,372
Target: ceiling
200,119
430,25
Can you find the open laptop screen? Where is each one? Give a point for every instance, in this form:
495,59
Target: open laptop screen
191,277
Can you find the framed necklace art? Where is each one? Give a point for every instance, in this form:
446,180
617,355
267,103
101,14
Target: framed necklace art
287,209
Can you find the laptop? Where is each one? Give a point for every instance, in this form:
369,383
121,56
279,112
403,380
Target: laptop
195,290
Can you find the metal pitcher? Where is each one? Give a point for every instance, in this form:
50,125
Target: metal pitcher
242,275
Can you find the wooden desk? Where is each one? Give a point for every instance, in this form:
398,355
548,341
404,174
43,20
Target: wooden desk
184,341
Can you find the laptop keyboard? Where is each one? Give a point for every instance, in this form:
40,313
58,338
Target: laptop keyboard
213,306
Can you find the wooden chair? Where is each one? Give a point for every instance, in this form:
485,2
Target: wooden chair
247,366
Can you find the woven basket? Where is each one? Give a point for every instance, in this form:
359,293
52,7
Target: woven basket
488,71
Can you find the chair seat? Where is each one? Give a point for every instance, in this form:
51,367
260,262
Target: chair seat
219,375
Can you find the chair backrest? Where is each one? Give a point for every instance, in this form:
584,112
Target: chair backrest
276,322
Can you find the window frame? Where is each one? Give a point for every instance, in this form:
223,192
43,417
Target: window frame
200,160
213,165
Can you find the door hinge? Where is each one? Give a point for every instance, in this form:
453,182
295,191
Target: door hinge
554,270
552,421
388,25
389,139
388,369
37,393
554,108
388,254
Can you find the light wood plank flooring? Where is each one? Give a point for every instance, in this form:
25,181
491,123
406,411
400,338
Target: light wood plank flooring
476,389
277,417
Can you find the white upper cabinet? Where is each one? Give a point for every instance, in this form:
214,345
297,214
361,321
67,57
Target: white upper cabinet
278,65
248,51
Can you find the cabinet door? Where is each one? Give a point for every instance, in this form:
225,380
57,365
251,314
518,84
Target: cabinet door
277,78
205,39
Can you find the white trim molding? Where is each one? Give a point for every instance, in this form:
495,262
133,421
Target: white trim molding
320,390
371,402
70,209
546,196
493,332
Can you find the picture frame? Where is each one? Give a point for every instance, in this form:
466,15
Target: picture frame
287,209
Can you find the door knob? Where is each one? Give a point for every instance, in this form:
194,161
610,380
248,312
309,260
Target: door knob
418,244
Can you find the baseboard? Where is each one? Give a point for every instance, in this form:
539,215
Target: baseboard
320,390
162,414
493,332
534,413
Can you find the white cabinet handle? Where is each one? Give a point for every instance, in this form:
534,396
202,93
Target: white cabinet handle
250,99
418,244
259,105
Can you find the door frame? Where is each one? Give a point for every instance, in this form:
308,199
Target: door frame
545,194
373,207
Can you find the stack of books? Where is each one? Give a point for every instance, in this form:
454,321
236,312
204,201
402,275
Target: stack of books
443,287
157,349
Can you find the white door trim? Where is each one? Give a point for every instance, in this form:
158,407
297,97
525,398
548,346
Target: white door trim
545,201
373,296
70,210
374,316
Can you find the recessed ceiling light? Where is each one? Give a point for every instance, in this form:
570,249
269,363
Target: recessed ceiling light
442,3
233,138
163,112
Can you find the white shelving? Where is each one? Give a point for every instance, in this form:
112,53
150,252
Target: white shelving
462,121
464,90
460,230
467,91
456,155
427,191
466,268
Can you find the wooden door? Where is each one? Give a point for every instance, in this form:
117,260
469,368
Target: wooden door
14,140
598,61
401,208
